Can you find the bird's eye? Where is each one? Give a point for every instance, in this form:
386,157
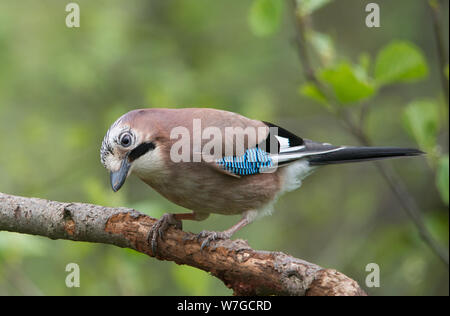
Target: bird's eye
125,140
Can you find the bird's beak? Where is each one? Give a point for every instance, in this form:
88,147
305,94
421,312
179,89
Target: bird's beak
118,177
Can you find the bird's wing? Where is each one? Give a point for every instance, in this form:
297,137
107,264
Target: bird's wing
245,146
280,148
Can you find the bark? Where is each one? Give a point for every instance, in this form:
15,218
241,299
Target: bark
246,271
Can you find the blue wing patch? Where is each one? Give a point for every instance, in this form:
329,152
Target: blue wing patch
253,161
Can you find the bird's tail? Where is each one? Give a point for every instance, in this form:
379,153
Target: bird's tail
355,154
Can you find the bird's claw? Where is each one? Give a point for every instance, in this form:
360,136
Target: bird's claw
209,236
159,228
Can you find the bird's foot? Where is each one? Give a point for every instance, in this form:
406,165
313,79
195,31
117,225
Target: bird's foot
159,228
209,236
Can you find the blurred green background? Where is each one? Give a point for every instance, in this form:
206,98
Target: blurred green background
61,88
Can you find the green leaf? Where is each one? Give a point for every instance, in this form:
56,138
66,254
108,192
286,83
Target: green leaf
308,7
265,16
400,62
442,178
311,91
421,120
349,83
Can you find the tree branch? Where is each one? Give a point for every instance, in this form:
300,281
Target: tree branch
246,271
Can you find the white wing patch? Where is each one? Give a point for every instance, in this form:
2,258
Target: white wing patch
301,154
285,145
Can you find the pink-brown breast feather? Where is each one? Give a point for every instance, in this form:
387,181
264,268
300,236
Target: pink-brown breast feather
195,185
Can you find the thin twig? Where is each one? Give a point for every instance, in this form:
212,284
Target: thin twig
398,187
302,47
435,7
394,181
410,206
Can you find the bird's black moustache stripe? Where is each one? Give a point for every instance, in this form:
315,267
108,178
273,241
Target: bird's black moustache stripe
140,150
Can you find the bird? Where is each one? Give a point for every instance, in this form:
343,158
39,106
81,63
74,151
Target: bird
212,161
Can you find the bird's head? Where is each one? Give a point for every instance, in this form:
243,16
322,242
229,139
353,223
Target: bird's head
129,147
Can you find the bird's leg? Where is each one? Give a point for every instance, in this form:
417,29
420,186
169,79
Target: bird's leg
209,236
160,227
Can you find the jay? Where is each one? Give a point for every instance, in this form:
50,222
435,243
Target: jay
214,161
